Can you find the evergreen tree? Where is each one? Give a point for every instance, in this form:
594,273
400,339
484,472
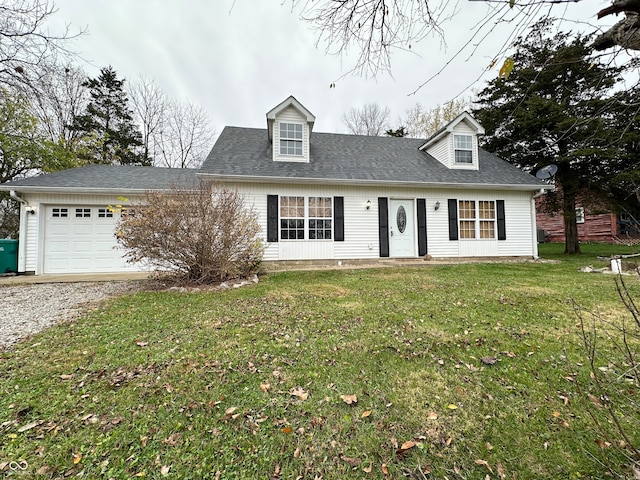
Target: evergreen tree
110,133
556,107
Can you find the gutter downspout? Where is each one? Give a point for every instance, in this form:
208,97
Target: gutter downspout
534,227
22,234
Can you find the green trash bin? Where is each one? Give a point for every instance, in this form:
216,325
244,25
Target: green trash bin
8,256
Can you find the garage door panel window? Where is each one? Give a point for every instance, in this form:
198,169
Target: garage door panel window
60,212
105,213
83,213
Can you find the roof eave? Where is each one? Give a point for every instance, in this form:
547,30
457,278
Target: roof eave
365,182
79,191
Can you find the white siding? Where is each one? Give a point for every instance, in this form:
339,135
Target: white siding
37,224
290,115
361,225
443,150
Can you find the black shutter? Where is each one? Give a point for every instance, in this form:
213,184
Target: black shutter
502,232
453,219
338,219
422,226
383,223
272,218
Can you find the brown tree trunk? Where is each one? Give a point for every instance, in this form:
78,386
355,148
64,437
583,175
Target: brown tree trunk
571,244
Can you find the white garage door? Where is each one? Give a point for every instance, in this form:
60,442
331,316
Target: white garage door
80,239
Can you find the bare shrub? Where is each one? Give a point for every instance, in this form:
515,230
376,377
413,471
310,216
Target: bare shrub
612,389
203,234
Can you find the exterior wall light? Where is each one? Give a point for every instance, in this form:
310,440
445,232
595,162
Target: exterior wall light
437,207
368,204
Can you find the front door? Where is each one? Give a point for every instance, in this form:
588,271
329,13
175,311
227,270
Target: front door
401,229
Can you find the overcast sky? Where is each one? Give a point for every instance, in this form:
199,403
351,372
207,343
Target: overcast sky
240,59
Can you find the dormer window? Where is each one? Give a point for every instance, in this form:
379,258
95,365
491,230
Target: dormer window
463,148
291,139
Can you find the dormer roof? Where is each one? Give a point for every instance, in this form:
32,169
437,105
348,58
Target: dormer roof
289,102
449,128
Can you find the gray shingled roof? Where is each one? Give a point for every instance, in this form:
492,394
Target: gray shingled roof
246,152
116,178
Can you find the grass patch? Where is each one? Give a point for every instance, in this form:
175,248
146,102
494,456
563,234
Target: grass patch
253,382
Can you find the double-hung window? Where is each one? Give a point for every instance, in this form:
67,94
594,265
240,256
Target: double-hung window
463,148
320,218
477,219
291,139
292,218
306,218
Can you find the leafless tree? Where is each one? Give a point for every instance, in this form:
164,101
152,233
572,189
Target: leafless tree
200,234
56,96
185,138
174,134
422,122
375,28
371,120
150,105
25,40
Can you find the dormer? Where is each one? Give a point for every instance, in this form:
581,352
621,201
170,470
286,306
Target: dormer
289,126
456,144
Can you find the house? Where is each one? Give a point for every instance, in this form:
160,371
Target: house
596,223
319,196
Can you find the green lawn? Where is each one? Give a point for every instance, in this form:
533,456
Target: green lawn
255,382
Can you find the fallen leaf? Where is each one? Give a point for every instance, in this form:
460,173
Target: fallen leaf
565,424
164,471
141,474
367,469
404,448
229,411
595,400
636,472
489,446
299,392
501,473
432,416
452,406
265,387
353,462
366,413
140,343
484,463
297,453
287,430
66,376
602,443
143,441
407,445
43,470
448,442
172,439
77,456
349,399
28,426
556,414
488,360
384,469
565,400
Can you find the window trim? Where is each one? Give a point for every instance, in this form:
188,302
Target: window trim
307,219
295,141
477,220
457,148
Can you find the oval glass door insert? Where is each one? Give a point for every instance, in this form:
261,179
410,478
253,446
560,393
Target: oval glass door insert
401,219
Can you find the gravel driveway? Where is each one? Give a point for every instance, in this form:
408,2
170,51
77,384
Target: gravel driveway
28,309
